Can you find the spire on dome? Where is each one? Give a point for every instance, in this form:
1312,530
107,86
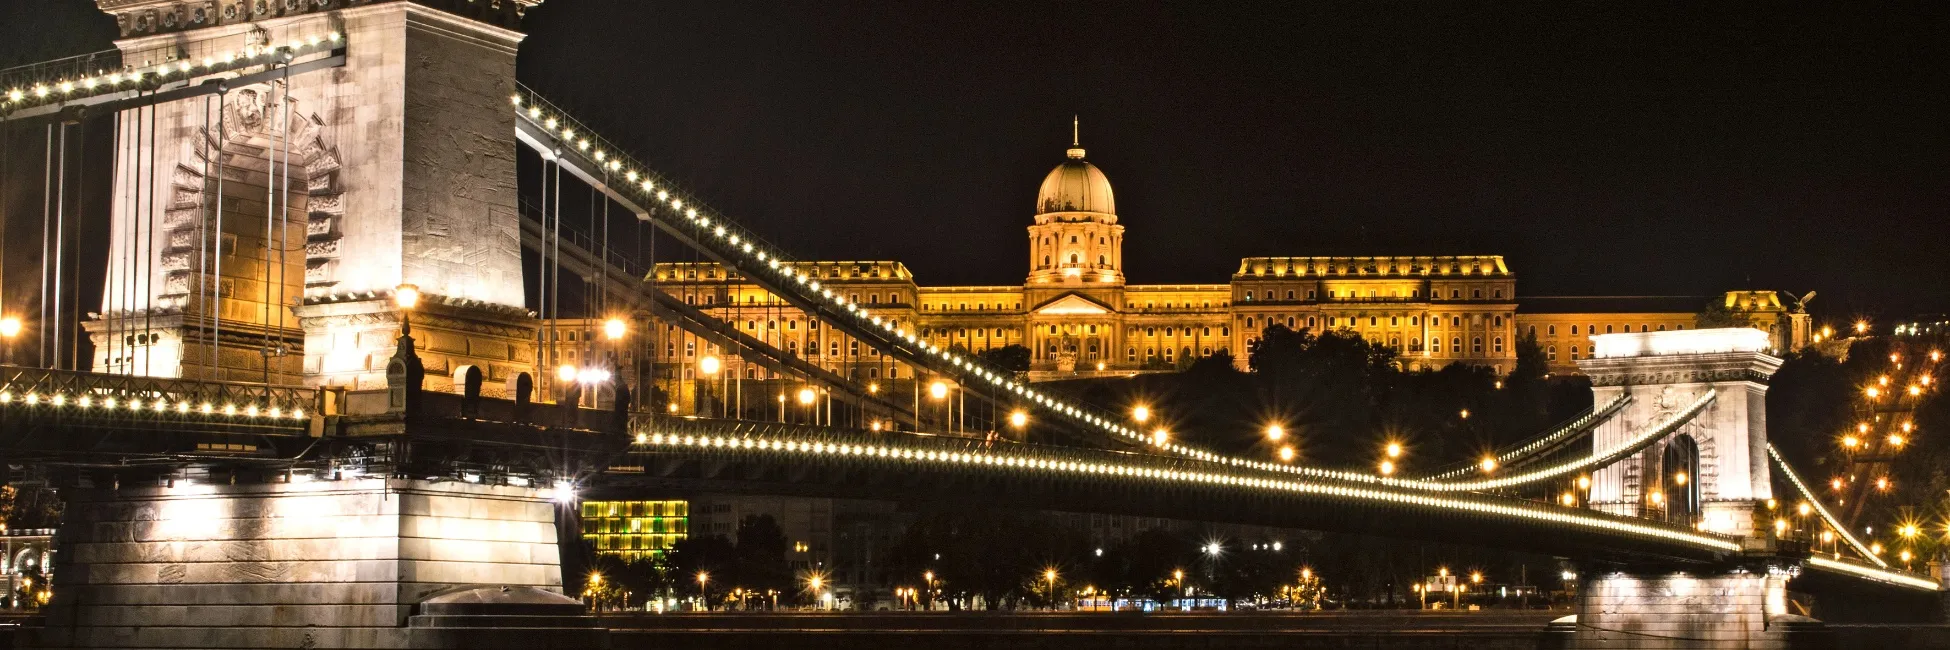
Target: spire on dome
1076,146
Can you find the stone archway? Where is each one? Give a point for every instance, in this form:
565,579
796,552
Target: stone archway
273,161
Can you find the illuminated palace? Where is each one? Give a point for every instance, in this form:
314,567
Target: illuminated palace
1078,317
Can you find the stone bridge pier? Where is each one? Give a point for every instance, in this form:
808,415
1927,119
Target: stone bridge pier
1711,474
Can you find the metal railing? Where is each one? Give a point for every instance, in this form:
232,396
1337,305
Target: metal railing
73,395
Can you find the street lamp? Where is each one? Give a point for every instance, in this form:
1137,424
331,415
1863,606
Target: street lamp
709,365
938,390
1275,432
928,579
1019,419
806,396
1141,414
704,600
407,296
1049,575
1394,450
1488,464
9,329
614,328
1286,454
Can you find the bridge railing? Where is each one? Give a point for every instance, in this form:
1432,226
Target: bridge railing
1549,440
75,395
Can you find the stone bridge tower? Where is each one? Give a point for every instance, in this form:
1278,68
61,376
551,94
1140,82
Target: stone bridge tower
262,232
1712,471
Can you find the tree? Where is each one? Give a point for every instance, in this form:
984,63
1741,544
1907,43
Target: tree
1014,358
761,554
713,556
1716,314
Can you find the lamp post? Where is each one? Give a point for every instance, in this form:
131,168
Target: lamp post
1049,575
9,330
928,579
703,599
709,365
1178,579
406,296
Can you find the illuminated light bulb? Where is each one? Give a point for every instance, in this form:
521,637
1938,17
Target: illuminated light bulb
1584,482
182,407
1286,454
86,401
1568,499
1883,380
614,328
206,408
297,414
566,372
1915,390
1882,483
1862,427
1275,432
1160,437
1780,527
109,403
1896,440
1387,467
230,409
1872,392
1394,450
1679,478
251,410
1656,497
1835,483
1851,442
807,396
1488,464
1141,413
1018,419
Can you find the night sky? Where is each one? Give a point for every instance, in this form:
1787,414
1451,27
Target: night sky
1607,150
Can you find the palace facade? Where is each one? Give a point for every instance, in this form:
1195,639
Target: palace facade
1078,317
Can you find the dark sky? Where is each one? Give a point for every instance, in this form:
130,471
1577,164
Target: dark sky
1641,149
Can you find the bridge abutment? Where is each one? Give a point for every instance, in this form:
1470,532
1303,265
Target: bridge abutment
304,564
1691,610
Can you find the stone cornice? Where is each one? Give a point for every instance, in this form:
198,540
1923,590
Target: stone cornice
149,17
1677,369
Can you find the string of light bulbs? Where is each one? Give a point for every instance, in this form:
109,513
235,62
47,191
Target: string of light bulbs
132,78
1580,425
1821,510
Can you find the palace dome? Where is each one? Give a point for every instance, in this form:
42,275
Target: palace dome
1075,186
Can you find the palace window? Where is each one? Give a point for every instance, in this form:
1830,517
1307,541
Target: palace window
1130,354
1225,331
1574,353
1607,331
1435,345
1073,239
1499,293
1498,343
1150,331
1394,320
1550,353
1395,342
1476,293
835,347
853,348
1476,345
1249,322
1289,322
1205,332
1574,330
1455,321
1455,345
1289,294
1310,294
1455,294
792,347
1415,344
1269,294
1499,321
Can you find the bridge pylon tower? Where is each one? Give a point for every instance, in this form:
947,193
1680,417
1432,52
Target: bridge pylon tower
260,232
1712,473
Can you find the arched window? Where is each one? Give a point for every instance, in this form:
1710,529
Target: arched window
1289,322
1101,262
1435,345
1045,261
1455,345
1476,345
1130,354
1073,258
1550,353
1498,343
1289,294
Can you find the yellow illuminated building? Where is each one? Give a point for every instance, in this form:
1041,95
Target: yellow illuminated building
1078,317
634,530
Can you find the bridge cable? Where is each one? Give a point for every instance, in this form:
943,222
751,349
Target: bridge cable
1826,517
1526,451
47,225
1597,458
216,257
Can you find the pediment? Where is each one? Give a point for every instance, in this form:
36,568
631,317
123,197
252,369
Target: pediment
1073,304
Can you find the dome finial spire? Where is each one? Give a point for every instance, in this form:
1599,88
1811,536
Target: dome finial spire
1076,147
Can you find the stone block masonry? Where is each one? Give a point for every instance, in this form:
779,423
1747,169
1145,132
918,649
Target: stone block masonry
326,564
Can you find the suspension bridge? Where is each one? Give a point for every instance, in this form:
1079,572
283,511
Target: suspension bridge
321,394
